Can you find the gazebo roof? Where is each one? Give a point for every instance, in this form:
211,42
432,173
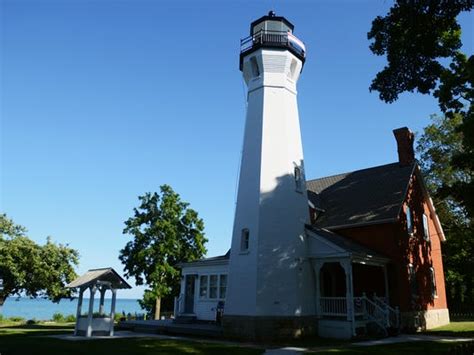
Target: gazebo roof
93,276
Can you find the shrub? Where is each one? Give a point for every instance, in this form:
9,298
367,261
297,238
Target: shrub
31,321
58,317
16,319
70,318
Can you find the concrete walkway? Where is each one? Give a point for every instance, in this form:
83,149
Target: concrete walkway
406,338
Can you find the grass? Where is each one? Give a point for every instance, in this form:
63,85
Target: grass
23,339
457,329
420,347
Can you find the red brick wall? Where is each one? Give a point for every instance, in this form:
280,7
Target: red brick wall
393,240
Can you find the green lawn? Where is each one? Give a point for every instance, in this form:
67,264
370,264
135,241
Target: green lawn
414,348
457,329
28,340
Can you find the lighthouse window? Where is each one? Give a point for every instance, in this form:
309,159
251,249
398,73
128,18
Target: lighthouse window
298,179
245,241
254,66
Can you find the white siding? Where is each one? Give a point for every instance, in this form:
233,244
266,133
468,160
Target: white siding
204,309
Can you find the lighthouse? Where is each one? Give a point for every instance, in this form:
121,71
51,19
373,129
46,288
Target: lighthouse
270,289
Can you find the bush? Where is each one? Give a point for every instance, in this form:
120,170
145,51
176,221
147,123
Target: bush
58,317
16,319
70,318
1,318
31,322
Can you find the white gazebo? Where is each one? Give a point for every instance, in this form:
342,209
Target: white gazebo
95,280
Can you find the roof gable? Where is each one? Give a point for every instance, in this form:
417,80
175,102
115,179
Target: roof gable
367,196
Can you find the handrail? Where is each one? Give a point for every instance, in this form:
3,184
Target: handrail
375,313
177,305
393,313
275,38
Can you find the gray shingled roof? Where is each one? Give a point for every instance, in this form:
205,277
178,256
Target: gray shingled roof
366,196
208,261
104,274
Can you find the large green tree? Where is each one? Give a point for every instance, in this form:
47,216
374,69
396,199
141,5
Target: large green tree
32,269
422,42
165,232
440,141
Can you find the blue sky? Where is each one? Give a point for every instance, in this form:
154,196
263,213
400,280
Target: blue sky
102,101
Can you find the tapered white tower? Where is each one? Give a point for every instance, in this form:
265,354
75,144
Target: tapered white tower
270,281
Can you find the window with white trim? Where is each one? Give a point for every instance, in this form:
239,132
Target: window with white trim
222,286
426,229
409,220
412,280
203,280
213,286
434,291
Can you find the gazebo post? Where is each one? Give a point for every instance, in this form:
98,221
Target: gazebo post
79,309
91,310
103,289
112,312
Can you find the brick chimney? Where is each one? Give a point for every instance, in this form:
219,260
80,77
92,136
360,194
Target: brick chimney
405,139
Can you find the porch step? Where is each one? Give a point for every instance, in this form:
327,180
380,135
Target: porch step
185,319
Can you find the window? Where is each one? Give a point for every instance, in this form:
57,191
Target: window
245,241
298,179
213,286
412,280
254,66
203,286
434,291
222,286
409,221
426,228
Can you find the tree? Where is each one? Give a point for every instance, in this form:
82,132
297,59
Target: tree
165,232
422,42
440,141
32,269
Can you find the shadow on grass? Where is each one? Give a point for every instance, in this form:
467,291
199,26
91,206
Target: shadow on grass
22,340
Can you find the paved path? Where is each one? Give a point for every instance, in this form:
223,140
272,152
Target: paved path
406,338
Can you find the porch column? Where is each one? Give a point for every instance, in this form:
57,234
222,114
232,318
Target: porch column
79,309
317,269
91,311
112,312
347,265
385,276
103,289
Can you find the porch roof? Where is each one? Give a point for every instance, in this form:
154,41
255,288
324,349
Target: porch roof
215,260
337,246
93,276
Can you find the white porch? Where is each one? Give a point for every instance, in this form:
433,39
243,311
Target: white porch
352,287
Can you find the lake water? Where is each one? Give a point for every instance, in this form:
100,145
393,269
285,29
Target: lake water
42,309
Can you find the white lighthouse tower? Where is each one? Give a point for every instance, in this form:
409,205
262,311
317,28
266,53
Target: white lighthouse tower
271,286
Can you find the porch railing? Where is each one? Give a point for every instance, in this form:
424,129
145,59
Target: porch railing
178,305
372,309
333,306
393,314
